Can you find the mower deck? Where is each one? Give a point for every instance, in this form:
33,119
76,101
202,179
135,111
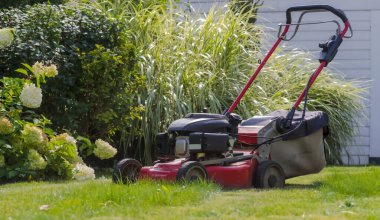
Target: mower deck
238,174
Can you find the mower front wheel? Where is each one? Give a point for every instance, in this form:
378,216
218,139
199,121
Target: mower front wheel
269,175
126,171
192,171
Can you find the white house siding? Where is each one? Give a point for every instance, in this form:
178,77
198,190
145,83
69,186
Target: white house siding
358,57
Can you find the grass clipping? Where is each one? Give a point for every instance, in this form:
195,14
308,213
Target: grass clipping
191,62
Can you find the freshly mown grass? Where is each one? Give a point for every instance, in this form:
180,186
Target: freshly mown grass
335,193
95,198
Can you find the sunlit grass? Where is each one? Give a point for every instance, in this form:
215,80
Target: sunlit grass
96,198
335,193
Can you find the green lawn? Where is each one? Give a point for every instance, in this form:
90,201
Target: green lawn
335,193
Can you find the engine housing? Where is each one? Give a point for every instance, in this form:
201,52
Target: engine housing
197,133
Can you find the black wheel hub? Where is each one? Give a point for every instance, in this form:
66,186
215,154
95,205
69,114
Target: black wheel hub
272,181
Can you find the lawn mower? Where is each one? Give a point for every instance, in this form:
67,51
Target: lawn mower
261,151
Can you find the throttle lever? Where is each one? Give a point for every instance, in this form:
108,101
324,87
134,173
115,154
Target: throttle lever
330,48
323,45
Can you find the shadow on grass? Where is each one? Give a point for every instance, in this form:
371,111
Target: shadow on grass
314,185
289,186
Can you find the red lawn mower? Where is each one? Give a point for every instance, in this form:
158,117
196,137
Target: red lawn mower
261,151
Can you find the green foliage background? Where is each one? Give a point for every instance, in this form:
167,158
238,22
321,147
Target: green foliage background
94,91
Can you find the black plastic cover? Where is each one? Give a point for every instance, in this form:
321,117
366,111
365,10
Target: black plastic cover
234,119
163,146
196,138
201,122
210,142
215,142
205,115
313,121
258,121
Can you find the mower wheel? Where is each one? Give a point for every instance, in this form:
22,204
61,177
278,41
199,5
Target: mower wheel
192,171
126,171
269,175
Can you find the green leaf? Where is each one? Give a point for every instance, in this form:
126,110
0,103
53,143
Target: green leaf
84,140
49,132
23,71
28,67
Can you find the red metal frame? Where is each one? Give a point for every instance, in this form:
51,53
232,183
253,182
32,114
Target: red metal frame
319,70
253,77
237,175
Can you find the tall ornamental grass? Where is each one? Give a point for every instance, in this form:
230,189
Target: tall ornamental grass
189,63
194,61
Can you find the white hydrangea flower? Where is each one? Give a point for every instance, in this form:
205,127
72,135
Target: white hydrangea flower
51,71
2,161
34,137
104,150
31,96
71,140
6,126
83,172
6,37
66,138
35,160
38,69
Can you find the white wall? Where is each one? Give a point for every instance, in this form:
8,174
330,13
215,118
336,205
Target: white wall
375,89
358,57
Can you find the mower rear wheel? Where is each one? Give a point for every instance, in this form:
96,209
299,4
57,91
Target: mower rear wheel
269,175
192,171
126,171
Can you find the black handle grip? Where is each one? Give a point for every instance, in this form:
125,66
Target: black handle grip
335,11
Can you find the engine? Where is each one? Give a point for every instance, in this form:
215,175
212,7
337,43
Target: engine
198,135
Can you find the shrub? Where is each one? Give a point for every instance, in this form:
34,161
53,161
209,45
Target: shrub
95,92
21,3
29,149
109,86
25,146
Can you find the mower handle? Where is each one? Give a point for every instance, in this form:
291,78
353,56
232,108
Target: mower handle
329,49
318,8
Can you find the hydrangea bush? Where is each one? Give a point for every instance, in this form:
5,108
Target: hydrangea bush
29,149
